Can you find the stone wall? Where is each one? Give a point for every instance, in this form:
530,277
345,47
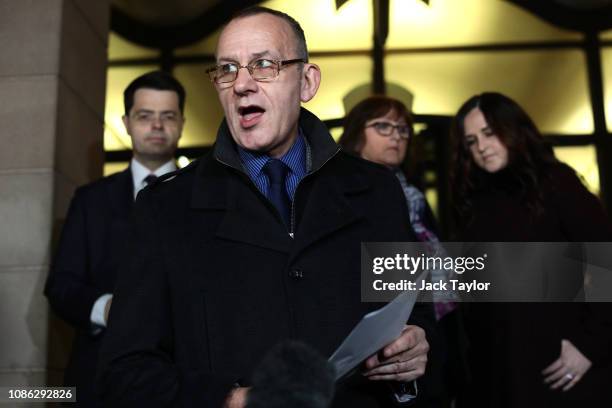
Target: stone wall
52,87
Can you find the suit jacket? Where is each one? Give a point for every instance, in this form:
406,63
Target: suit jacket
194,313
92,243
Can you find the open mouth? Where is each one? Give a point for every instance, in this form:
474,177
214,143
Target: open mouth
250,115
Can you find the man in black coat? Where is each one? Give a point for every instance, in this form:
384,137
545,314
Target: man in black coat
82,278
265,244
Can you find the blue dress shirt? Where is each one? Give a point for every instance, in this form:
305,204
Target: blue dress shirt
295,159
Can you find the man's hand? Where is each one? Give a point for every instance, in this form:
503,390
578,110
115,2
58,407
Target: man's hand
403,360
237,398
107,309
568,369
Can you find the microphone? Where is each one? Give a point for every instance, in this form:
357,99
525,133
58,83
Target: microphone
292,374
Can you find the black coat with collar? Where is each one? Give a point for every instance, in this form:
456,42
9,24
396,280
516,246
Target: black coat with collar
90,250
215,280
511,343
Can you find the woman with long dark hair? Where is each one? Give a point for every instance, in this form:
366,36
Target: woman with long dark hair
508,186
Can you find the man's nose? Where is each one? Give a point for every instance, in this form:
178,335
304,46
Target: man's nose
157,123
244,81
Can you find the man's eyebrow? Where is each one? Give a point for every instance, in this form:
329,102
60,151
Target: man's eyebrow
222,60
261,54
252,57
145,110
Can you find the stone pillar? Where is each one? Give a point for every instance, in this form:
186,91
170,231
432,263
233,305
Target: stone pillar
52,86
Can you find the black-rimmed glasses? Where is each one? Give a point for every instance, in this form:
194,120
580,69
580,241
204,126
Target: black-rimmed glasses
386,129
260,70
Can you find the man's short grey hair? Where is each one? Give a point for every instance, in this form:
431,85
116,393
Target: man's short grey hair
301,48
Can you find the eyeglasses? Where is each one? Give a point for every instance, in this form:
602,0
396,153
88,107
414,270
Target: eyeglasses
260,70
386,129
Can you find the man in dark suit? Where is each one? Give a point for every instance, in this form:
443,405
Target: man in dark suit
265,246
82,278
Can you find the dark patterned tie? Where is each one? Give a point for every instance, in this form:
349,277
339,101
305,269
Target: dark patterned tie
150,179
276,171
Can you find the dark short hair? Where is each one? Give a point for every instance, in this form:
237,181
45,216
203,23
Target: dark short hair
158,80
353,137
301,48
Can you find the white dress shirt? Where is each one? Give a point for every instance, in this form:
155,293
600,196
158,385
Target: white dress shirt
139,173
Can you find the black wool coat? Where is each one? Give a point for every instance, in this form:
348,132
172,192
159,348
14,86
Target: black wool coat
89,252
511,343
215,280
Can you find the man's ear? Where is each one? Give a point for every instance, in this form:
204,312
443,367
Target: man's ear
311,79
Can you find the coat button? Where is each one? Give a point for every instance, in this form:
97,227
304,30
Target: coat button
296,274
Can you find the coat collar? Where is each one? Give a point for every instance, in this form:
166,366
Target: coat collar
322,145
321,148
121,192
255,222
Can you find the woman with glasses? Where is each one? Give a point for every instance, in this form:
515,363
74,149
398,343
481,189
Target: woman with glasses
508,186
379,129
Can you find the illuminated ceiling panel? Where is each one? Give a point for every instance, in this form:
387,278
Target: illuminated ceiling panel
339,76
202,108
117,79
115,167
325,27
583,159
119,48
349,28
431,194
466,22
606,61
550,85
206,46
441,81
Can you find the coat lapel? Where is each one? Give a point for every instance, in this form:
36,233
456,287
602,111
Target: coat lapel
247,216
121,193
327,209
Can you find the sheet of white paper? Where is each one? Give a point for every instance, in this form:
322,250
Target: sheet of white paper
374,331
